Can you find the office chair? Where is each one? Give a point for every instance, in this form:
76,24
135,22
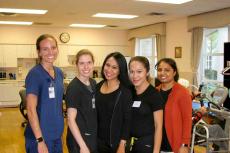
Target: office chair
22,106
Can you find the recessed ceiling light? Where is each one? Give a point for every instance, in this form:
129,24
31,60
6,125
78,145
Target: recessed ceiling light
118,16
16,22
22,11
156,13
88,25
167,1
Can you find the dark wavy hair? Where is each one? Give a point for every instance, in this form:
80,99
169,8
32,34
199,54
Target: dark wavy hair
123,70
170,62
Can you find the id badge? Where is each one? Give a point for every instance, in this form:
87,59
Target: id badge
136,104
51,92
93,103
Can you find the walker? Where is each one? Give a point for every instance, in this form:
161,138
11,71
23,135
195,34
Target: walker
201,128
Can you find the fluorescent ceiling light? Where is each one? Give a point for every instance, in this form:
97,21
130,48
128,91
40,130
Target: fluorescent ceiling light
118,16
167,1
16,22
88,25
22,11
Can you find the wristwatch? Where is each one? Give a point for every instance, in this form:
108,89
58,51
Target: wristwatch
184,145
40,139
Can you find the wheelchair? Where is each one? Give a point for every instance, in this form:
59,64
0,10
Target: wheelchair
22,106
214,137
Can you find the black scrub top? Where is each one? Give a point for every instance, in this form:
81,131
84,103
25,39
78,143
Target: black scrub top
80,97
142,112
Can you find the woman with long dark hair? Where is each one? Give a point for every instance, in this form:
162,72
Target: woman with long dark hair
113,100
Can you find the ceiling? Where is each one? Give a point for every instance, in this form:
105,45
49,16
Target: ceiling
62,13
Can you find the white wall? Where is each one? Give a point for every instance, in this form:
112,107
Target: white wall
100,41
177,35
91,37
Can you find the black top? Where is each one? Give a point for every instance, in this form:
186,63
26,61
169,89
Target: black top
80,97
142,112
113,108
105,112
165,146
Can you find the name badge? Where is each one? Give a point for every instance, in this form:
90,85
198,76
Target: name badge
93,103
136,104
51,92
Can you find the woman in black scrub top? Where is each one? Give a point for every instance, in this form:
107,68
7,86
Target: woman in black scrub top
147,113
81,109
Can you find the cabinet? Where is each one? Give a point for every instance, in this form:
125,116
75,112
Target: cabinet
62,58
26,51
73,50
8,56
9,94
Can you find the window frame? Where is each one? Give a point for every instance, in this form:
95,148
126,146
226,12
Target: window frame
153,56
205,55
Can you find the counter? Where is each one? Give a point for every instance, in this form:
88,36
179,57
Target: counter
9,95
10,81
67,80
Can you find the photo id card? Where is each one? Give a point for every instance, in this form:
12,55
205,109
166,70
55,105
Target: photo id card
136,104
93,103
51,92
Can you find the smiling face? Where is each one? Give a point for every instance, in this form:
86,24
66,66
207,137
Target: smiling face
85,65
138,73
48,51
165,73
111,69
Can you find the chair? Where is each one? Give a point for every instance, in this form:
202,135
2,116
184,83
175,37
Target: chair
219,95
22,106
66,83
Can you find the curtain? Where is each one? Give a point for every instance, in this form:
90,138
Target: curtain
147,31
132,44
158,29
160,46
196,45
213,19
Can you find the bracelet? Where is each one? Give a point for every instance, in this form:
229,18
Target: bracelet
40,139
184,145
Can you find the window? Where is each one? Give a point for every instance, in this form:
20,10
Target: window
212,55
147,47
